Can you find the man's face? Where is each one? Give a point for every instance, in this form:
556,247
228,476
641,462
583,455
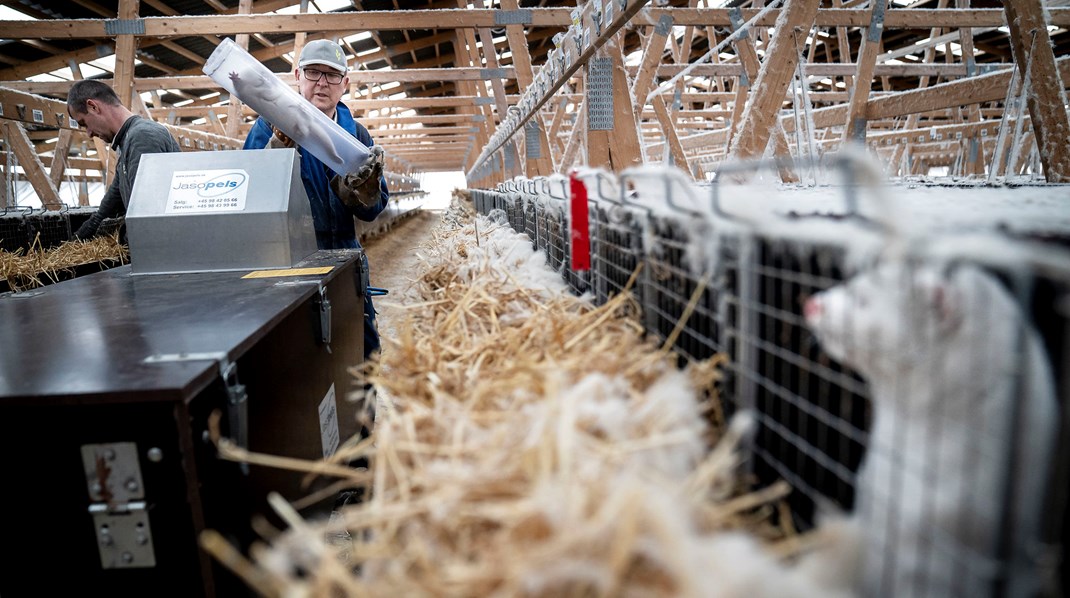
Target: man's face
322,93
93,120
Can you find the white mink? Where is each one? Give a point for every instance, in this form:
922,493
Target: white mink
948,358
287,111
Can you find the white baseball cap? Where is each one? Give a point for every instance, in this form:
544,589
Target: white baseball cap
323,52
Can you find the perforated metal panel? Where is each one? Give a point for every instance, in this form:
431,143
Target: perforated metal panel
532,139
600,94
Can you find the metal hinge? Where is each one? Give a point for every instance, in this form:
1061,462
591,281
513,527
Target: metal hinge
117,507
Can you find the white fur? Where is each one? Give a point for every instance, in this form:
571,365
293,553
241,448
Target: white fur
948,358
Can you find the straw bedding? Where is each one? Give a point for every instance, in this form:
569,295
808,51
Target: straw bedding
527,443
38,267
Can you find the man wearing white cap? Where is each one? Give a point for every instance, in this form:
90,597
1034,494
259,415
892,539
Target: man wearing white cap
336,198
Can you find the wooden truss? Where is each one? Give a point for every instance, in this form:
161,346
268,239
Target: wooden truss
497,90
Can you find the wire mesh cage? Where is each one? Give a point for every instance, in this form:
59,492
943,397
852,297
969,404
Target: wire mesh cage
679,294
616,247
531,218
813,414
49,228
554,233
947,450
14,231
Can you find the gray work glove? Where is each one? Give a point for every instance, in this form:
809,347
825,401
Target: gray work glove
88,230
360,188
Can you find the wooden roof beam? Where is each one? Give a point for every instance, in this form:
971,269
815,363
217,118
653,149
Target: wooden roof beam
778,68
170,26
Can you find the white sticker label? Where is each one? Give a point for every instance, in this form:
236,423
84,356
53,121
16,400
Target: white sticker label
199,191
329,423
38,115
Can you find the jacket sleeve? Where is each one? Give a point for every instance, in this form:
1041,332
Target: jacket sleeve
112,204
259,135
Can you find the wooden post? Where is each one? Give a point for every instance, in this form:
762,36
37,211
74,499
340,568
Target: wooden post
751,69
518,45
777,70
6,198
59,156
300,37
555,126
31,164
125,48
672,139
579,129
912,120
855,128
501,103
975,160
234,105
1047,100
655,46
618,148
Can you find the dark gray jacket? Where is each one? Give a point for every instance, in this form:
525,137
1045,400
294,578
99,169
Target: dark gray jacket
137,136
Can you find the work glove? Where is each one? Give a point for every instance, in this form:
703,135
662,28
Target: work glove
88,230
279,139
360,188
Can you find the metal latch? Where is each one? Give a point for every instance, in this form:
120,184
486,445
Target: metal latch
237,407
117,492
237,397
325,319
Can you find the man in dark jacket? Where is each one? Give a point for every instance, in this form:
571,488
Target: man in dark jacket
335,198
98,110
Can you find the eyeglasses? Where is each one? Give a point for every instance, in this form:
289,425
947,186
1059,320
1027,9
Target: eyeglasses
314,75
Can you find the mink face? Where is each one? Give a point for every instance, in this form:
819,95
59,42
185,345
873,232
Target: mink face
887,320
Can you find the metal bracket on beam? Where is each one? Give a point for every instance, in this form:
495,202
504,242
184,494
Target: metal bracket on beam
484,101
735,16
664,25
876,22
512,17
492,73
124,26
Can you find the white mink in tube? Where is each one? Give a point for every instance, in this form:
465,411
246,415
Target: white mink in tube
252,83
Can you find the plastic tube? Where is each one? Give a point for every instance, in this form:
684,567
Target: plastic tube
251,82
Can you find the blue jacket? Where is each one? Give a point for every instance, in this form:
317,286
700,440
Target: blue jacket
332,219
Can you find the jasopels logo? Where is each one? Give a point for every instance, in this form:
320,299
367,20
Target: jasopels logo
214,187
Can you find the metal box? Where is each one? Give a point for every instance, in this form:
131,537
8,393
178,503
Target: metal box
226,210
107,383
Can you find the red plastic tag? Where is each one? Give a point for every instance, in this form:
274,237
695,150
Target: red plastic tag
580,231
